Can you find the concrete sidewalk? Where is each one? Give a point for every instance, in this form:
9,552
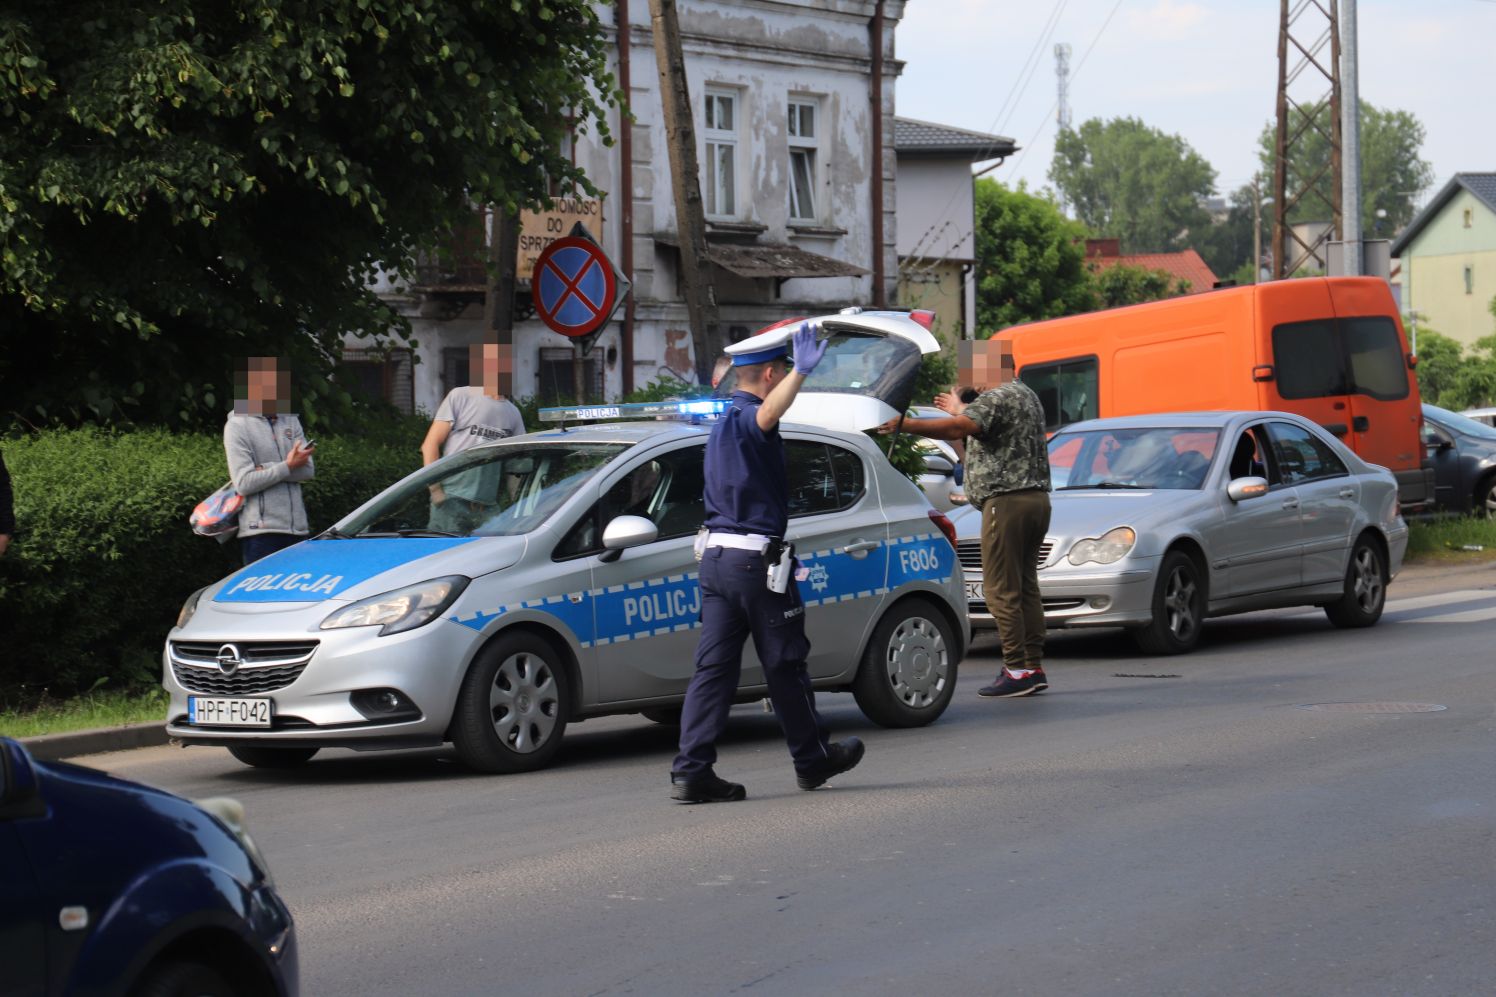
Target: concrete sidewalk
1424,576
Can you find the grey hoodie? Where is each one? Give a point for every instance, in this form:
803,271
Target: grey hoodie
256,451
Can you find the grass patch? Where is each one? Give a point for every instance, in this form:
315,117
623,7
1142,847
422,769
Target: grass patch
1441,540
96,709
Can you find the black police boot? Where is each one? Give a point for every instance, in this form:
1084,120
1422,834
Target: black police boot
842,756
704,787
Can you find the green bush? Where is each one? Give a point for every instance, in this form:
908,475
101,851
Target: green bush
104,557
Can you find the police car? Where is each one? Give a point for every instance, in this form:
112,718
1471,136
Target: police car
569,588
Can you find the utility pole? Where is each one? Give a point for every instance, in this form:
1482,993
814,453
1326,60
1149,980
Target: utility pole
1350,135
1256,231
1303,36
498,303
690,216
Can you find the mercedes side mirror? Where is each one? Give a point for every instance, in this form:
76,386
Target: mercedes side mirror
1245,488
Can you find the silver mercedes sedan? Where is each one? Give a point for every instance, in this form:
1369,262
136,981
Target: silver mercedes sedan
1161,521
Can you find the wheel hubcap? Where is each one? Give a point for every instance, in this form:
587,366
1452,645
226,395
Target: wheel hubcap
1179,605
524,703
1367,581
918,663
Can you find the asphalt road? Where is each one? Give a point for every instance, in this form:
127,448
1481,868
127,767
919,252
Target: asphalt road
1148,826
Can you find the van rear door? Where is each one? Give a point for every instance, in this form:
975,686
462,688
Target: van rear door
1301,363
1384,405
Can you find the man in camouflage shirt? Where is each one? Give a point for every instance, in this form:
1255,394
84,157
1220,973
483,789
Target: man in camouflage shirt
1007,477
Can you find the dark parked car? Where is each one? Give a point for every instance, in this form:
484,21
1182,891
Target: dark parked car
1464,456
111,887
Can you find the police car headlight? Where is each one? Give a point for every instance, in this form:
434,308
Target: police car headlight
1109,547
401,610
189,607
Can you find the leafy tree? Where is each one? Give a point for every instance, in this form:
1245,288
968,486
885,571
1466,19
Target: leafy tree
184,183
1133,182
1439,362
1392,174
1120,285
1030,259
1227,244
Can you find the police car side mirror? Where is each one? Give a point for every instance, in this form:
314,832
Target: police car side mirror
1245,488
627,531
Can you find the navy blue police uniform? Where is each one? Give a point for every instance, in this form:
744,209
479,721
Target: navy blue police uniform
747,504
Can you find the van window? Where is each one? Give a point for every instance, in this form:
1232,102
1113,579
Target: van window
1321,358
1307,361
1378,368
1067,389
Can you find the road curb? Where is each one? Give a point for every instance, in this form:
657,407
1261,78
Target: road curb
51,747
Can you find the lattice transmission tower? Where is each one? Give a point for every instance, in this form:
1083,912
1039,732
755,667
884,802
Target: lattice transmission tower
1307,84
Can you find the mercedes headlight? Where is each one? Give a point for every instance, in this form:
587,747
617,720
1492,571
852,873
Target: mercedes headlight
189,607
1111,546
401,610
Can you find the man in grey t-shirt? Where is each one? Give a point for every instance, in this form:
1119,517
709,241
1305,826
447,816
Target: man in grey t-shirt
467,417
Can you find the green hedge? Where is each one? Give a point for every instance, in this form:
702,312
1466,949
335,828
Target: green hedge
104,557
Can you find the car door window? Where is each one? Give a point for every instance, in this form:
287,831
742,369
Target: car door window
667,490
1302,456
822,478
1251,457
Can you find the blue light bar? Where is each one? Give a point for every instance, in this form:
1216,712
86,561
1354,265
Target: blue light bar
694,408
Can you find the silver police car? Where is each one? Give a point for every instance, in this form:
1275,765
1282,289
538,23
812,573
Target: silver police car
562,585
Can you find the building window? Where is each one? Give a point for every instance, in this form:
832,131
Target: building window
1469,279
378,376
804,143
720,128
1469,217
557,375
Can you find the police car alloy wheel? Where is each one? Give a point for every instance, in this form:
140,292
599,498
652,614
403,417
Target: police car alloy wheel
514,705
908,673
271,758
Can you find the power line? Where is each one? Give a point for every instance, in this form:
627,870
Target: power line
1074,73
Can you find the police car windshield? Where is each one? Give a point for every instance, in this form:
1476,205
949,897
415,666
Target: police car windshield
1164,458
491,491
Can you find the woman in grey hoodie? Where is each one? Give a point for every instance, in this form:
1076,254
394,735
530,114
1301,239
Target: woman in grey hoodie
269,456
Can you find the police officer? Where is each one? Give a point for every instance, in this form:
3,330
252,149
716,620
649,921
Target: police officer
747,512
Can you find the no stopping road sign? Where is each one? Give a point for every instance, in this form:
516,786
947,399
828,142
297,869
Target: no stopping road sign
575,286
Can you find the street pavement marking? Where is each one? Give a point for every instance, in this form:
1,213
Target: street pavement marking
1437,600
1468,616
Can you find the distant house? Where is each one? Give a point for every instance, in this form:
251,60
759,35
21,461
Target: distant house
1448,257
937,218
1186,266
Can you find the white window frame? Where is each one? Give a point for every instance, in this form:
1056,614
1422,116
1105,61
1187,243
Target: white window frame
804,149
719,187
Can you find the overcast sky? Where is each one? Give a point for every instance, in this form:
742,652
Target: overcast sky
1202,69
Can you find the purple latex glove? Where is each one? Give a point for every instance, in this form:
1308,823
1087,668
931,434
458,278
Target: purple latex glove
808,352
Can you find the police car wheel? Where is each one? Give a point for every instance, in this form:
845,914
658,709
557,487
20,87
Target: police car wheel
260,757
184,979
513,706
908,673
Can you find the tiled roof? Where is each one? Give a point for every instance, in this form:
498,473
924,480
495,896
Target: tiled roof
1481,185
1187,266
910,135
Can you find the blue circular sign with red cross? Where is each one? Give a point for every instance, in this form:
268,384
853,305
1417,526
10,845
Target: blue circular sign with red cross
574,286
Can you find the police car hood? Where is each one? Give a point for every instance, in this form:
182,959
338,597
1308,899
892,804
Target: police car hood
866,376
346,570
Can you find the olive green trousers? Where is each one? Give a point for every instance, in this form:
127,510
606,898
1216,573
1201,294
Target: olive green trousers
1013,527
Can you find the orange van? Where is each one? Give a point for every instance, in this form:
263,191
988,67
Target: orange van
1331,349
